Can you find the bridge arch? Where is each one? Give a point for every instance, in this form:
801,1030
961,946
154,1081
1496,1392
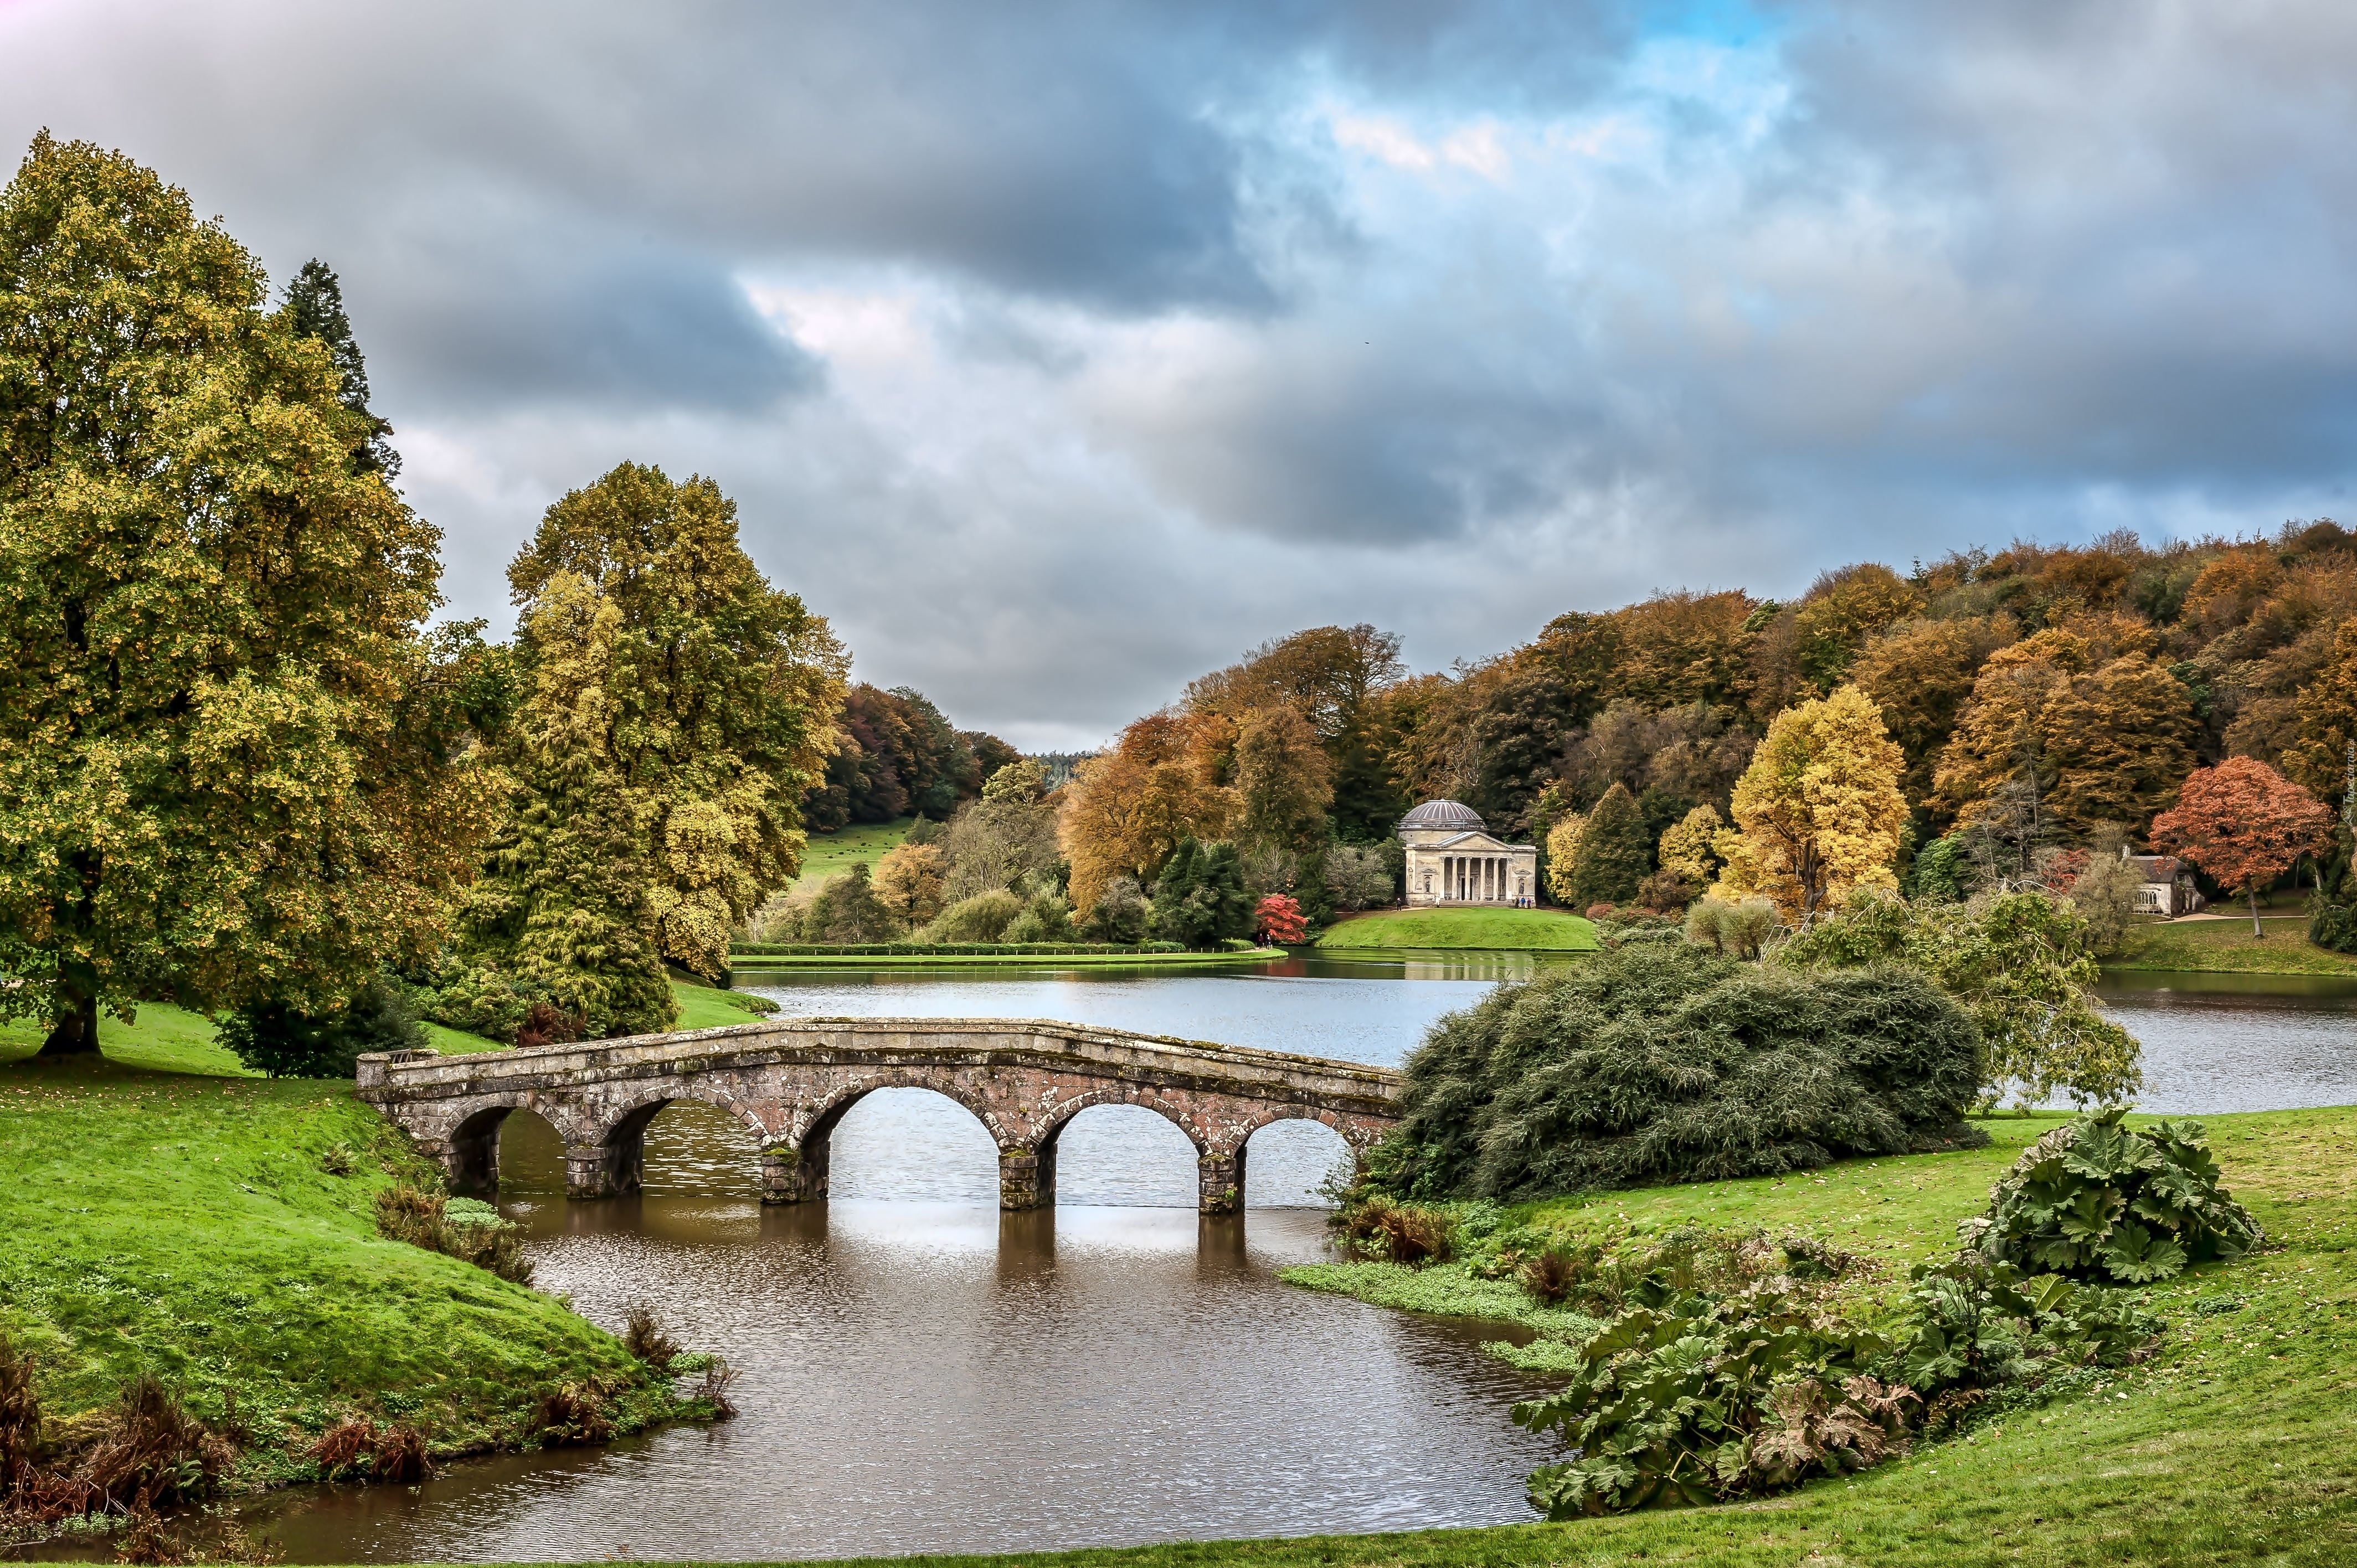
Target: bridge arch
1049,1148
791,1080
1293,1156
469,1149
799,1169
617,1147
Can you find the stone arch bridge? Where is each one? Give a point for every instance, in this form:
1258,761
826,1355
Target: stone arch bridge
789,1081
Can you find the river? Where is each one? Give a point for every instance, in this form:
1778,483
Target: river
923,1374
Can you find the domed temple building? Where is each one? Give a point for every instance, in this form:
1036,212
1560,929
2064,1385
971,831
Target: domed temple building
1453,859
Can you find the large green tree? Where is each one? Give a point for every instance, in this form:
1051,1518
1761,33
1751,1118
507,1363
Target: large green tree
718,697
226,755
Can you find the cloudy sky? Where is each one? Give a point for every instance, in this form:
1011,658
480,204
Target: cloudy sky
1057,352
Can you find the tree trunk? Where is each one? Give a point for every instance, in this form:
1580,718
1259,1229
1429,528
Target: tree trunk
74,1032
2256,934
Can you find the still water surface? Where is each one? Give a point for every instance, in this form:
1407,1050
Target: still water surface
923,1374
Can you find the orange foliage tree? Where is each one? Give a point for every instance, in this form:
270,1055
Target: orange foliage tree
2242,824
1125,810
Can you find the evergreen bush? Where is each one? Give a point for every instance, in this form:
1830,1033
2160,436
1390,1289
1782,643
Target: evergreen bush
280,1040
1657,1062
2333,908
1199,900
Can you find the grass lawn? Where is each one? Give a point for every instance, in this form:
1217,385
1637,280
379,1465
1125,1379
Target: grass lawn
2227,947
180,1221
1488,929
861,844
2236,1444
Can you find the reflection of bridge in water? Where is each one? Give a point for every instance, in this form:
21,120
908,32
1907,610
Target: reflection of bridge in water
789,1081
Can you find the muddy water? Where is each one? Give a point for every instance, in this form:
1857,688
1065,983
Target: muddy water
924,1374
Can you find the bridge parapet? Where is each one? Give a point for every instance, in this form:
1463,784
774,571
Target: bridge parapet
787,1082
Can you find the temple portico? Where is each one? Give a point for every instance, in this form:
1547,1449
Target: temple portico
1453,859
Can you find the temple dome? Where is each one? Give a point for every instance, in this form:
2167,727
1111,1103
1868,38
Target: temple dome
1445,816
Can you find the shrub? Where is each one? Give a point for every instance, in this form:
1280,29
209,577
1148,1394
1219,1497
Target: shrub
544,1025
1666,892
1121,914
574,1414
1359,876
1374,1226
1979,1324
644,1338
719,1375
1046,917
1664,1062
1739,930
1687,1398
152,1453
285,1042
2096,1199
20,1414
1199,900
1601,911
981,918
1748,1384
462,1227
357,1449
846,909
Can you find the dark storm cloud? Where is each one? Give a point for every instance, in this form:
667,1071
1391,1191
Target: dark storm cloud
1057,351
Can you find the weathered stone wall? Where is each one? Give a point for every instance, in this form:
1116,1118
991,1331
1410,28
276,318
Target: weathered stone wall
789,1081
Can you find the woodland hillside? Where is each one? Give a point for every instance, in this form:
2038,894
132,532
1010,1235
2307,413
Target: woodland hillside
2049,692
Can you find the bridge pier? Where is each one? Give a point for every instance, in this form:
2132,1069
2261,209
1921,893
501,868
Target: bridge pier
1223,1183
1027,1177
795,1175
614,1168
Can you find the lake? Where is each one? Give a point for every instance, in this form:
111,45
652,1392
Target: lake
922,1373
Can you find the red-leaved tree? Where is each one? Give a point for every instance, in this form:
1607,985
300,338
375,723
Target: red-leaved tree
2244,824
1281,921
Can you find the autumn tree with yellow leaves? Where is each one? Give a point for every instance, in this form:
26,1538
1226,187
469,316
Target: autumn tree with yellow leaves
1125,811
679,708
1818,813
233,765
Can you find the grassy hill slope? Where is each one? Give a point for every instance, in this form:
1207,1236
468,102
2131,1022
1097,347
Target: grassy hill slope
1541,929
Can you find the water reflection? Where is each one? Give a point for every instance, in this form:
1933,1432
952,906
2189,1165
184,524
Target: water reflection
934,1375
2239,1042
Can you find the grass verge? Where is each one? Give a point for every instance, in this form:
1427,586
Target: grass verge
1509,929
2227,947
184,1223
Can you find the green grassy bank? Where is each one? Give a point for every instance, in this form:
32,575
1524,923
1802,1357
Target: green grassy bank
1537,929
183,1221
164,1210
2227,947
830,854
